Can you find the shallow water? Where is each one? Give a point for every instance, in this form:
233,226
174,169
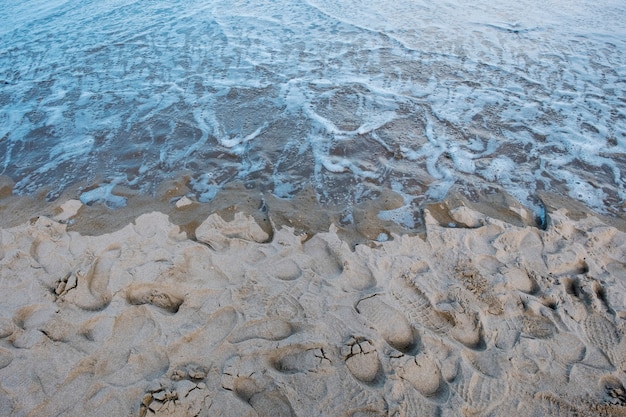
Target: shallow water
348,97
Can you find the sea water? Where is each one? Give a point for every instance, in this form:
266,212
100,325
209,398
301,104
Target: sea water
346,97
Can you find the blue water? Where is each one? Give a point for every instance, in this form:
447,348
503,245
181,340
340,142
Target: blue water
345,96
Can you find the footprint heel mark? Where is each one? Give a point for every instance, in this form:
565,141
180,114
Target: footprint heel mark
7,327
362,361
521,280
389,323
358,276
162,296
424,374
491,363
244,387
131,354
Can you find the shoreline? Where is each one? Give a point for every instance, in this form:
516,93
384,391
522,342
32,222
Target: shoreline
222,317
303,212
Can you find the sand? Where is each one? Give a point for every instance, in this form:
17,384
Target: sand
488,319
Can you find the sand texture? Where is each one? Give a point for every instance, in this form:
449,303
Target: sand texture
487,320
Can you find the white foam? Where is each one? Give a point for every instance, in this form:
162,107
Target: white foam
499,169
104,195
206,187
517,94
404,215
238,140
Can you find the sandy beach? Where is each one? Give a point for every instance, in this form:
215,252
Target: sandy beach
313,208
474,317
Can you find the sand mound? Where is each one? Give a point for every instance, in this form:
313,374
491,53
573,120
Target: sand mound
484,321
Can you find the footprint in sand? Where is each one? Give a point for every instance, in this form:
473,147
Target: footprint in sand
362,360
267,329
418,307
480,392
92,281
259,391
358,275
285,269
328,264
130,356
300,358
219,234
50,247
271,404
594,315
286,307
603,334
193,345
536,326
159,295
406,402
424,374
464,328
389,322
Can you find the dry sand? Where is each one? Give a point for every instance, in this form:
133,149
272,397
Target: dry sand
489,319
